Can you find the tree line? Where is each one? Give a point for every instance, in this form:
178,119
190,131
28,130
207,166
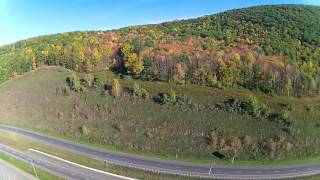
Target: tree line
233,49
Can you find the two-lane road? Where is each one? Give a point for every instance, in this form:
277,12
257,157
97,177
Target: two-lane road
173,167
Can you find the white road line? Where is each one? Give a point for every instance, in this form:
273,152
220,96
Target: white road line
79,165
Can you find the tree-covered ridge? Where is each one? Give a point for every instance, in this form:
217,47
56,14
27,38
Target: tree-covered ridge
294,24
274,49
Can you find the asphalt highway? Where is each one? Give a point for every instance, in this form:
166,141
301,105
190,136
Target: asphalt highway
173,167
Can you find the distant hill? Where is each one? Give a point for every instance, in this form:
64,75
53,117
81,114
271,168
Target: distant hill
291,25
274,49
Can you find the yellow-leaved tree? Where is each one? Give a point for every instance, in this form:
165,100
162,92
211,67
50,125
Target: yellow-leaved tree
131,59
31,56
116,88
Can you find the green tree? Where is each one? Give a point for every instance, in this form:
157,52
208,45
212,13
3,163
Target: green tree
225,75
268,82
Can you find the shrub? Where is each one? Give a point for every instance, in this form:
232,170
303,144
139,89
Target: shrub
98,83
119,127
84,130
263,111
63,90
250,105
145,94
289,146
234,146
271,147
139,92
214,138
309,108
74,83
88,80
284,115
232,105
136,90
247,140
116,88
170,97
185,102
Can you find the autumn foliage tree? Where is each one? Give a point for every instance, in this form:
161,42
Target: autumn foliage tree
131,60
116,88
31,56
275,55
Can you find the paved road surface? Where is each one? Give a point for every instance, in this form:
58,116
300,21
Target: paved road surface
9,172
173,167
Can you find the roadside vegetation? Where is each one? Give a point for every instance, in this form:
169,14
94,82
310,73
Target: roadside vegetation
41,174
190,123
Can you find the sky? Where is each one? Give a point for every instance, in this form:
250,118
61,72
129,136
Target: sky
22,19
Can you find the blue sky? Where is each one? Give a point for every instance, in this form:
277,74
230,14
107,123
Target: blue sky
21,19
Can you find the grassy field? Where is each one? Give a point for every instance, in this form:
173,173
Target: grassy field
144,127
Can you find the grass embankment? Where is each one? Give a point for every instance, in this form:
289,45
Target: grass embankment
41,174
144,127
23,143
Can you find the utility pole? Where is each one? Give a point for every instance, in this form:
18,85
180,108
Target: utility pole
214,164
210,170
34,169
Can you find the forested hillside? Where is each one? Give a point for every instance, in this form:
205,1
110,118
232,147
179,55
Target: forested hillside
273,49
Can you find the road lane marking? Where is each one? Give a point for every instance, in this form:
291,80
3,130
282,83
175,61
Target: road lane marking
82,166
